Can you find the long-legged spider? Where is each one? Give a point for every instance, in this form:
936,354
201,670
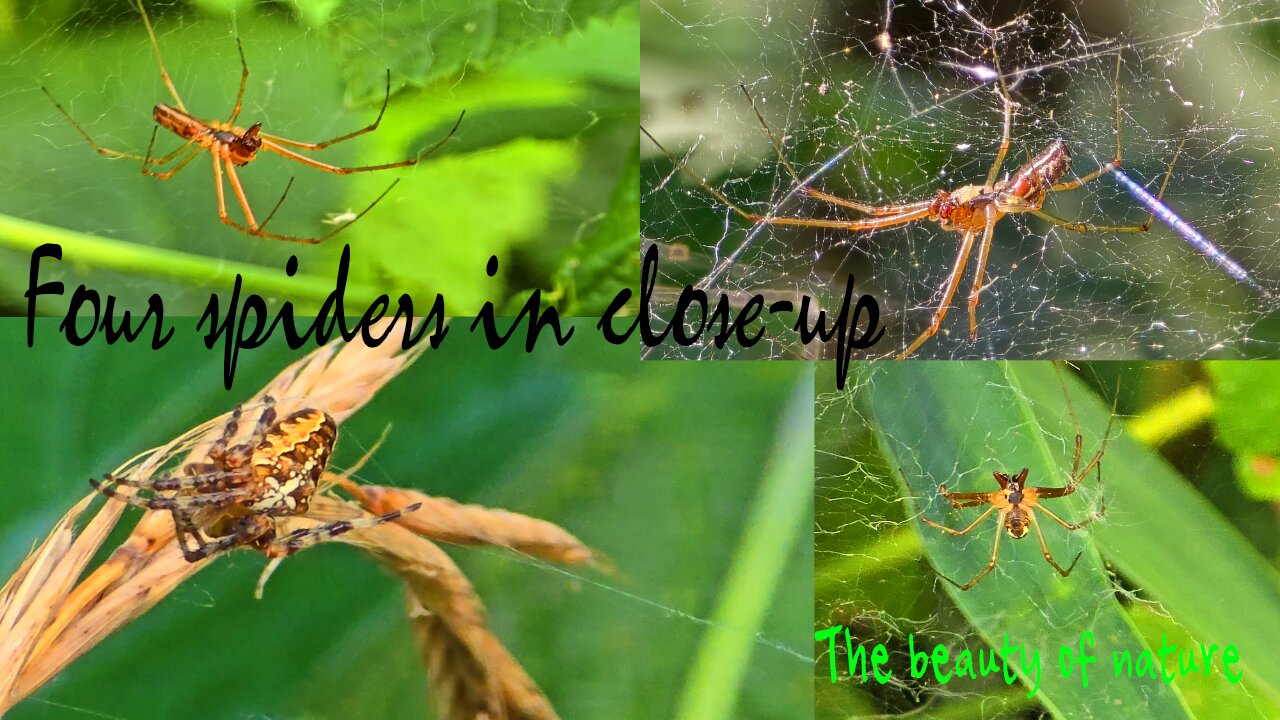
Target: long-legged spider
971,210
232,498
1017,504
232,146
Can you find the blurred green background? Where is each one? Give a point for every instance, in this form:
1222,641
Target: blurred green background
657,465
542,172
1188,549
888,102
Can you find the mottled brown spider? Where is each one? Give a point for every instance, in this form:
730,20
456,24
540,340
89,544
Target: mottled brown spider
232,498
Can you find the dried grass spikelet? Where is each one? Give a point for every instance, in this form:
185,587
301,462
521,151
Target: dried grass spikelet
50,615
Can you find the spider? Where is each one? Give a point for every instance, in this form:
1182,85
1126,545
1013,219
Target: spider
971,210
231,499
1017,503
232,146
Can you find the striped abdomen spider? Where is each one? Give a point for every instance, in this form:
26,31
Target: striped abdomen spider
971,210
232,146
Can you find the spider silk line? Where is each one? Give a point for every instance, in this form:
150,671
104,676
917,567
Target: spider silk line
759,227
676,612
759,638
76,708
1188,232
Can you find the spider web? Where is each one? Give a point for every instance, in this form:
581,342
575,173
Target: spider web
869,573
888,102
868,576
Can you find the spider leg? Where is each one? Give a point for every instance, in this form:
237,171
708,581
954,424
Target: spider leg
965,531
240,196
1059,492
110,486
1090,227
994,172
969,499
948,292
244,80
98,148
817,194
148,163
203,474
957,503
1031,517
256,230
984,249
1077,473
917,212
1106,168
246,529
155,48
1067,525
168,502
878,210
252,227
995,553
321,145
303,538
273,144
184,529
266,418
1055,492
218,450
887,216
1119,158
202,482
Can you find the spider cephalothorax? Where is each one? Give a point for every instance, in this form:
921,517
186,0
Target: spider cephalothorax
1017,520
232,498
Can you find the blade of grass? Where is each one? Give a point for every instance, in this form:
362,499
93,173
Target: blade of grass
1172,542
955,423
107,254
774,525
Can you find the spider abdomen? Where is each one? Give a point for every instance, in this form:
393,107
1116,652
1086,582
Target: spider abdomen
176,121
1016,522
288,462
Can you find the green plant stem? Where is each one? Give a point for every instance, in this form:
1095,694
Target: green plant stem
775,524
106,254
1173,416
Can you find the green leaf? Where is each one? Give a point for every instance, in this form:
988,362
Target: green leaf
1248,396
955,423
429,41
597,267
547,136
